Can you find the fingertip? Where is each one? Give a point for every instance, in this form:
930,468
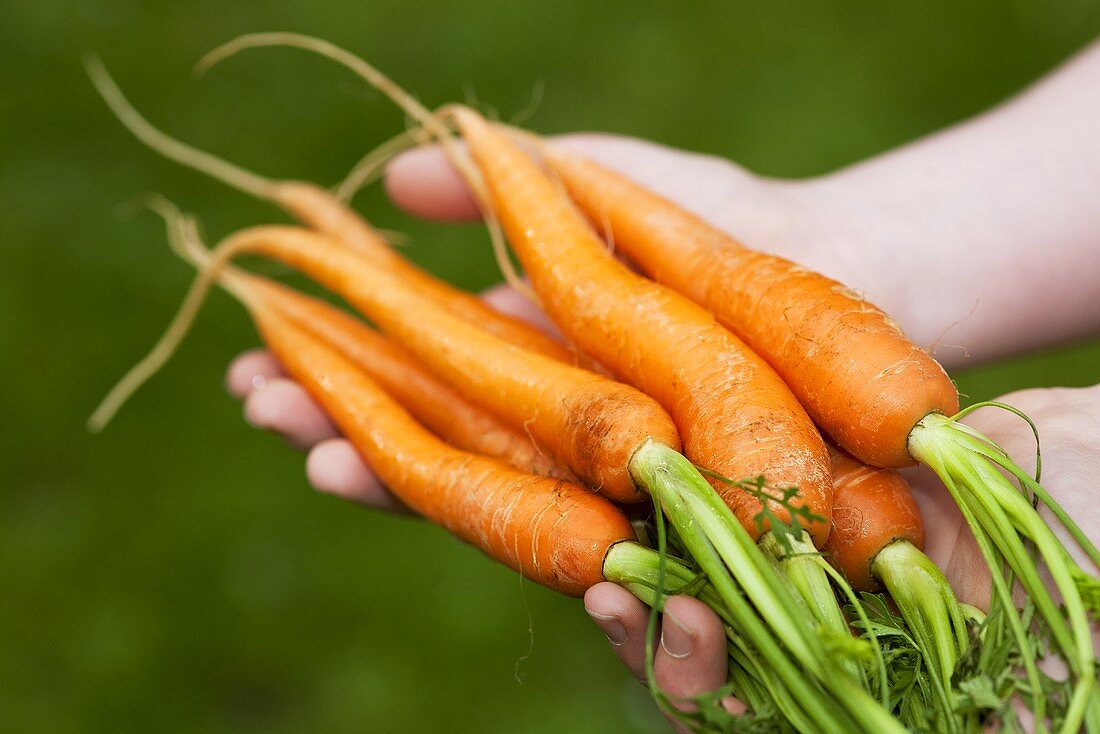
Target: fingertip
250,370
622,618
283,406
510,302
335,467
425,184
692,658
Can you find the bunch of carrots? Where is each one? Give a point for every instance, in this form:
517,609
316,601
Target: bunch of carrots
759,408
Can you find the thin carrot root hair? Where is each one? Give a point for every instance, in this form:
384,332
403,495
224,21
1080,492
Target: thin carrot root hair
187,155
432,123
369,168
231,174
178,328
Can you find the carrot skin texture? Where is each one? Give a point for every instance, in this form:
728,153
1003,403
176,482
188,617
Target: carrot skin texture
554,533
429,400
871,509
858,375
735,415
590,424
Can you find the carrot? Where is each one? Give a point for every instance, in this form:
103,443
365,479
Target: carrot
871,509
431,401
736,416
833,348
875,393
877,540
321,210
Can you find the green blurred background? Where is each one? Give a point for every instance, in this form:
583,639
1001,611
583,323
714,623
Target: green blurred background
175,574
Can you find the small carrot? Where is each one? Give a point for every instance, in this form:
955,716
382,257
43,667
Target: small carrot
321,210
871,508
877,540
431,401
555,533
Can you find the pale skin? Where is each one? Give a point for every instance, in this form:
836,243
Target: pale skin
982,240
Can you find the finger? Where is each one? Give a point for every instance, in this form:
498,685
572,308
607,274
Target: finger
284,407
509,301
335,467
424,183
250,370
692,659
622,618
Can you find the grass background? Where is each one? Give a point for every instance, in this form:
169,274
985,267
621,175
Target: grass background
175,574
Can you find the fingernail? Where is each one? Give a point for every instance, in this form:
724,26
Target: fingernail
611,626
677,640
259,382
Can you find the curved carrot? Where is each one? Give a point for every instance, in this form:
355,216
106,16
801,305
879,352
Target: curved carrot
321,210
858,375
735,415
432,402
871,509
590,424
554,533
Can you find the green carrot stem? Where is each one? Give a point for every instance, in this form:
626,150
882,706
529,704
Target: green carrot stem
741,573
1009,518
801,564
930,608
977,519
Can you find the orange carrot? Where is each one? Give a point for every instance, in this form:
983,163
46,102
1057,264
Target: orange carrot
554,533
736,416
857,374
871,509
877,541
321,210
588,423
432,402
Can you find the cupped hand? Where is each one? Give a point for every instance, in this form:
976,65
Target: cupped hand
826,224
